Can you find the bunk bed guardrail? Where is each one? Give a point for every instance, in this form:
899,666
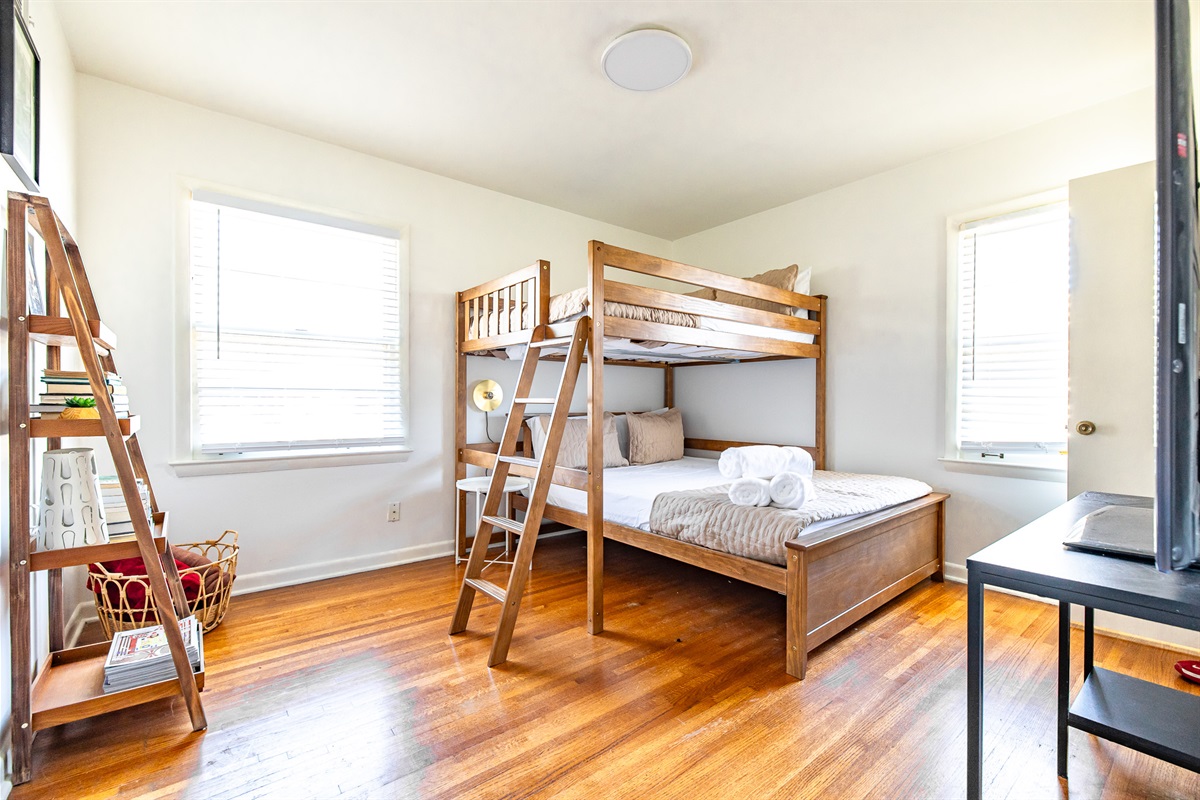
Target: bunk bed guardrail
502,312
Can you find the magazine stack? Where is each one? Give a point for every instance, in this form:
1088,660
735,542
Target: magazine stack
141,657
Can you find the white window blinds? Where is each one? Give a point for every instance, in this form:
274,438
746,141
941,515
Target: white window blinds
1012,302
296,331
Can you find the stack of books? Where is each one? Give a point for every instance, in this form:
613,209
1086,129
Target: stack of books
141,657
116,513
59,385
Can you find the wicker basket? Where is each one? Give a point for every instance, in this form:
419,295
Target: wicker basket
121,609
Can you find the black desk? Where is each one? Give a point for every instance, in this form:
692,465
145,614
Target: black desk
1148,717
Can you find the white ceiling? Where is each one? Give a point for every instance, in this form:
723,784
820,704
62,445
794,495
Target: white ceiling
785,99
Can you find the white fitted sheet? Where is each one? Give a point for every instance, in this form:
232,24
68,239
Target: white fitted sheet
629,492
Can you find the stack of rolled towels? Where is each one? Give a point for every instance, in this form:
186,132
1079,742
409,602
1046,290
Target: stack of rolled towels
768,475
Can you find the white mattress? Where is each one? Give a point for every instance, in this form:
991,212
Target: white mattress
622,348
629,492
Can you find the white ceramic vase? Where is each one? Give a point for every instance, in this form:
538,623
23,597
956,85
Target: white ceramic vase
71,513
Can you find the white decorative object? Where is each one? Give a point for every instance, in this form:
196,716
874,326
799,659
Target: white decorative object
71,513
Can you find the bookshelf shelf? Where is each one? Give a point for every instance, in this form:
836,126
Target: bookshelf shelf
57,332
77,556
62,428
71,688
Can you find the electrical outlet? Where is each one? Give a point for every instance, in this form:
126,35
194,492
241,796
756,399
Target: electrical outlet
393,512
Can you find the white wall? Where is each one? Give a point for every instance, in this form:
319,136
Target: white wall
57,163
878,249
300,524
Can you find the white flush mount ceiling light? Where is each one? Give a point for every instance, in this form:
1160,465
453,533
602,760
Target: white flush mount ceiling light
646,60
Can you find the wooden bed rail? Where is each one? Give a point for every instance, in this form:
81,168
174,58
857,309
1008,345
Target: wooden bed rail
485,456
718,445
610,256
607,256
503,311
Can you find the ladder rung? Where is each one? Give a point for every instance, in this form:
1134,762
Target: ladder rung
551,342
510,525
535,401
519,460
487,587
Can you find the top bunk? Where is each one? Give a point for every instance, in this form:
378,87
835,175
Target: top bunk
725,319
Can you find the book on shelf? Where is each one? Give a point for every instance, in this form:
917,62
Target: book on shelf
141,657
113,514
76,375
123,535
118,400
83,389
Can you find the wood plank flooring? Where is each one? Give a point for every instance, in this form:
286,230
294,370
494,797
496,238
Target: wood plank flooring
351,688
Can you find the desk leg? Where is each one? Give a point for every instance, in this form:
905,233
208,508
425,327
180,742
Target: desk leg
1064,682
974,686
1089,635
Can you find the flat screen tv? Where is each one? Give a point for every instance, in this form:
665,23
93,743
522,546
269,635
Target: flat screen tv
1177,535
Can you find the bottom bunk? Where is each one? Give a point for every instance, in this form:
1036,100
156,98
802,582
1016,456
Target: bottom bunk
834,573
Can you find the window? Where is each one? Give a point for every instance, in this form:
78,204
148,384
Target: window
1012,333
297,331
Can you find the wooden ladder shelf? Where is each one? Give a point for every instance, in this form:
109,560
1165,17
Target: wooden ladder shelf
510,597
68,686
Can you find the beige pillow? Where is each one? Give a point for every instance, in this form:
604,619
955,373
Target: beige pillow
655,436
784,278
703,294
572,452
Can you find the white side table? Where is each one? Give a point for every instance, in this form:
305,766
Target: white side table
479,487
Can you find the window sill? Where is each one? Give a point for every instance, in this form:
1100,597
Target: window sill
190,468
1013,469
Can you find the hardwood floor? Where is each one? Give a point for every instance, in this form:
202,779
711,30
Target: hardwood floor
351,688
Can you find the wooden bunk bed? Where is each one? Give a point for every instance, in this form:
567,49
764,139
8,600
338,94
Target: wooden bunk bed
834,576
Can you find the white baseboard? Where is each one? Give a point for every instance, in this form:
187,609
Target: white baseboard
290,576
82,614
248,583
1118,627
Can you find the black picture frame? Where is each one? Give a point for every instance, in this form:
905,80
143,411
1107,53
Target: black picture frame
20,96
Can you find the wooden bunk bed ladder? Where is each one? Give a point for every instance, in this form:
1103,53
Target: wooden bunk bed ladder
509,598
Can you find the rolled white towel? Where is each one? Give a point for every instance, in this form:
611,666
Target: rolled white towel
791,490
764,461
730,463
750,492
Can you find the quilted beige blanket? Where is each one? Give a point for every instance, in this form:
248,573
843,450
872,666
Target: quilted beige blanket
569,304
707,518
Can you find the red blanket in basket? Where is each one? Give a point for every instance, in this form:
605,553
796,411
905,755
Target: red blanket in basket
135,591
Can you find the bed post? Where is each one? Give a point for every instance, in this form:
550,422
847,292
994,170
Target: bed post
669,387
796,661
823,337
460,426
595,381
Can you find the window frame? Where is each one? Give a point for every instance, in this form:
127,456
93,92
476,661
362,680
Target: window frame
189,461
1032,465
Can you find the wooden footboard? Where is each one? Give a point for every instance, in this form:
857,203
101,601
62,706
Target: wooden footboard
838,575
833,578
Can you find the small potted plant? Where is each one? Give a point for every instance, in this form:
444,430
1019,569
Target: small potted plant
80,408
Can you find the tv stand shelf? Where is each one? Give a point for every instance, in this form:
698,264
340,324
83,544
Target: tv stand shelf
1151,718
